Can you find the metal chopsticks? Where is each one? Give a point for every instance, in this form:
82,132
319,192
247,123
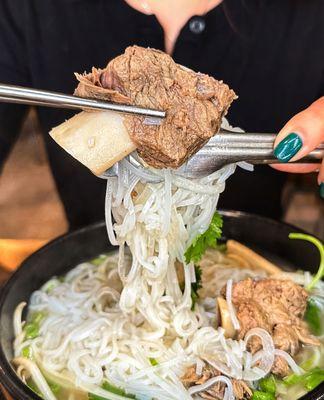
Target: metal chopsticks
250,146
21,95
228,148
224,148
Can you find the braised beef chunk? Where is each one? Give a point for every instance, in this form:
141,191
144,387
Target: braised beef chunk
280,367
277,306
195,103
216,391
191,378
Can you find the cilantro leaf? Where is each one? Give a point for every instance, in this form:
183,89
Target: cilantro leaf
196,250
207,239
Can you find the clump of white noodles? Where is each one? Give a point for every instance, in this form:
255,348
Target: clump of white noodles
106,322
86,339
157,222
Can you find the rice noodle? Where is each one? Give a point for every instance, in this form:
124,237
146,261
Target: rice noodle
17,318
37,377
199,366
247,166
108,201
290,361
211,382
265,357
231,309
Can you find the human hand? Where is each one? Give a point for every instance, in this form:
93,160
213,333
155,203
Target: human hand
302,134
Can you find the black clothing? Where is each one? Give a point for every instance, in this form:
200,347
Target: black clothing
269,51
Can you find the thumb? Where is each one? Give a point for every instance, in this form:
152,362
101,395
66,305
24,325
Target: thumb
302,134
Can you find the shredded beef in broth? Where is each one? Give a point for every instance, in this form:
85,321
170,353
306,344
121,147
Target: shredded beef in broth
278,306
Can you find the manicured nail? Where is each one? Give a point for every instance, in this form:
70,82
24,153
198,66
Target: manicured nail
288,147
321,190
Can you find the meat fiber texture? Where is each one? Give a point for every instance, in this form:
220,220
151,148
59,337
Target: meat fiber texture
216,391
194,103
278,306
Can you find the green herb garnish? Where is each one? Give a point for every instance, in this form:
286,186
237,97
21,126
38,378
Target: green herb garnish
320,246
92,396
313,316
112,389
55,387
195,286
308,364
313,380
207,239
259,395
98,260
292,379
268,384
309,380
31,329
267,389
27,352
153,362
33,387
198,247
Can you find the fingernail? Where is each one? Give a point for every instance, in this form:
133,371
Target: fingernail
321,190
288,147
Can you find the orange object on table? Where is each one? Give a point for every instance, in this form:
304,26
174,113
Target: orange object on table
5,393
14,251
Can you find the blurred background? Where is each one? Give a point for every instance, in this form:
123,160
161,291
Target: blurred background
31,213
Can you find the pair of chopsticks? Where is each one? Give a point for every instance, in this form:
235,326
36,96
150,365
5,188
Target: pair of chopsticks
29,96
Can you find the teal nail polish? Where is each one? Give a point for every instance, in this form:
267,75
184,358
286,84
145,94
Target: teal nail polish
288,147
322,190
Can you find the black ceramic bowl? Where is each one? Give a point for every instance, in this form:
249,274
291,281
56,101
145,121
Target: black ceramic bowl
268,237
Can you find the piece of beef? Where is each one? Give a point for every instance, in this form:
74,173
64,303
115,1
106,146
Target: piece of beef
216,391
195,103
272,292
285,338
277,306
280,367
241,389
190,378
251,315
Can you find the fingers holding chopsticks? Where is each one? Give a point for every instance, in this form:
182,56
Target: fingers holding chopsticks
302,134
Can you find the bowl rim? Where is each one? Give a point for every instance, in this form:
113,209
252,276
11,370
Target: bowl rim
10,380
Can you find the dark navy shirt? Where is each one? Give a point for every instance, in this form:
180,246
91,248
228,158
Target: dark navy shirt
271,52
